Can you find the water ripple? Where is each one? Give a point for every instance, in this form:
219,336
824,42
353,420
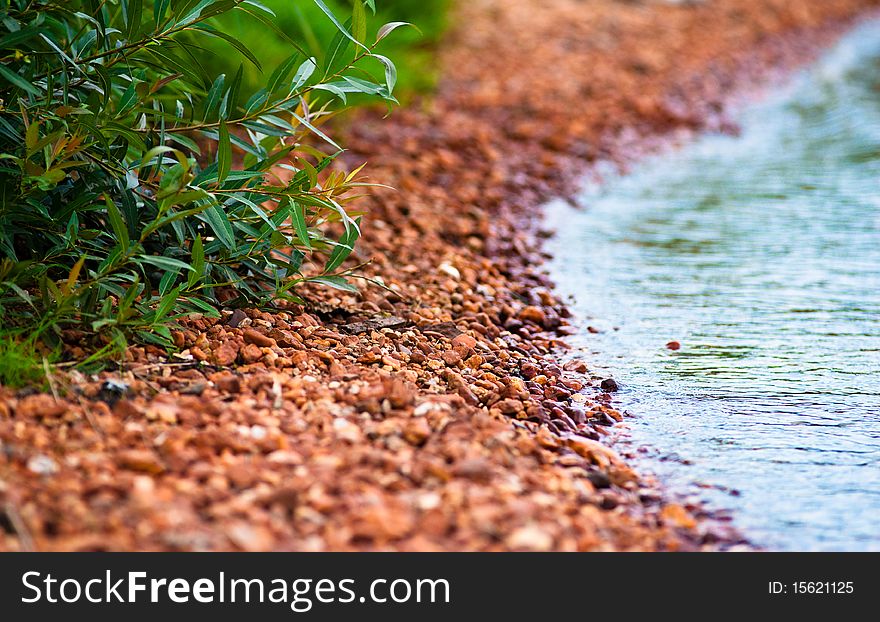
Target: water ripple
761,255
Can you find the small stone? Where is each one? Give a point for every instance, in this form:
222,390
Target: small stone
225,354
595,451
430,406
529,370
530,538
346,430
449,270
534,315
251,353
237,317
609,385
287,497
575,365
258,339
475,469
451,358
678,516
226,382
142,460
416,431
599,479
162,410
250,538
196,388
465,341
515,388
391,362
42,464
458,383
547,439
40,406
474,362
381,522
111,391
509,406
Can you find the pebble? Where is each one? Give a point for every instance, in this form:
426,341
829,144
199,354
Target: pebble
42,464
257,338
535,315
140,460
609,385
530,538
225,354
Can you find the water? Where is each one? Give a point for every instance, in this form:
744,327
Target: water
760,254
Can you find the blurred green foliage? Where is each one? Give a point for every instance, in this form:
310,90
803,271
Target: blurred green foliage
412,50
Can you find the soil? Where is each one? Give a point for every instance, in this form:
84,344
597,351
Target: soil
434,413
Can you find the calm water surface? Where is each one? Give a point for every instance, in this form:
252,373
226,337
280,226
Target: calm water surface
761,255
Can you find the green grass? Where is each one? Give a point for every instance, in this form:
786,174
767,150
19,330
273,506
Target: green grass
21,363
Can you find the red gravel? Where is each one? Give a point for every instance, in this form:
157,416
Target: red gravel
434,414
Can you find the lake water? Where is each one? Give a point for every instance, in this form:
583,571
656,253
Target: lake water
760,254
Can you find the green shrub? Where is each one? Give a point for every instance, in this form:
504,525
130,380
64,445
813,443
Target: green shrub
138,188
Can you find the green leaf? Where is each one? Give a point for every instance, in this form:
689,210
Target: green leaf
303,73
198,261
231,98
166,304
159,8
11,40
336,282
18,81
167,281
298,218
120,230
390,72
281,72
315,130
238,45
220,225
201,306
387,29
338,25
134,16
359,21
343,248
166,263
212,99
224,154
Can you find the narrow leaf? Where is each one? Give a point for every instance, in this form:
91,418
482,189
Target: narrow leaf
387,29
298,218
359,21
224,153
338,25
116,223
18,81
220,225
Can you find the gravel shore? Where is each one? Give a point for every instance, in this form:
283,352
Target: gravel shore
435,413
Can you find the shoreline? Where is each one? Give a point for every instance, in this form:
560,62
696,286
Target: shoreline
436,414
